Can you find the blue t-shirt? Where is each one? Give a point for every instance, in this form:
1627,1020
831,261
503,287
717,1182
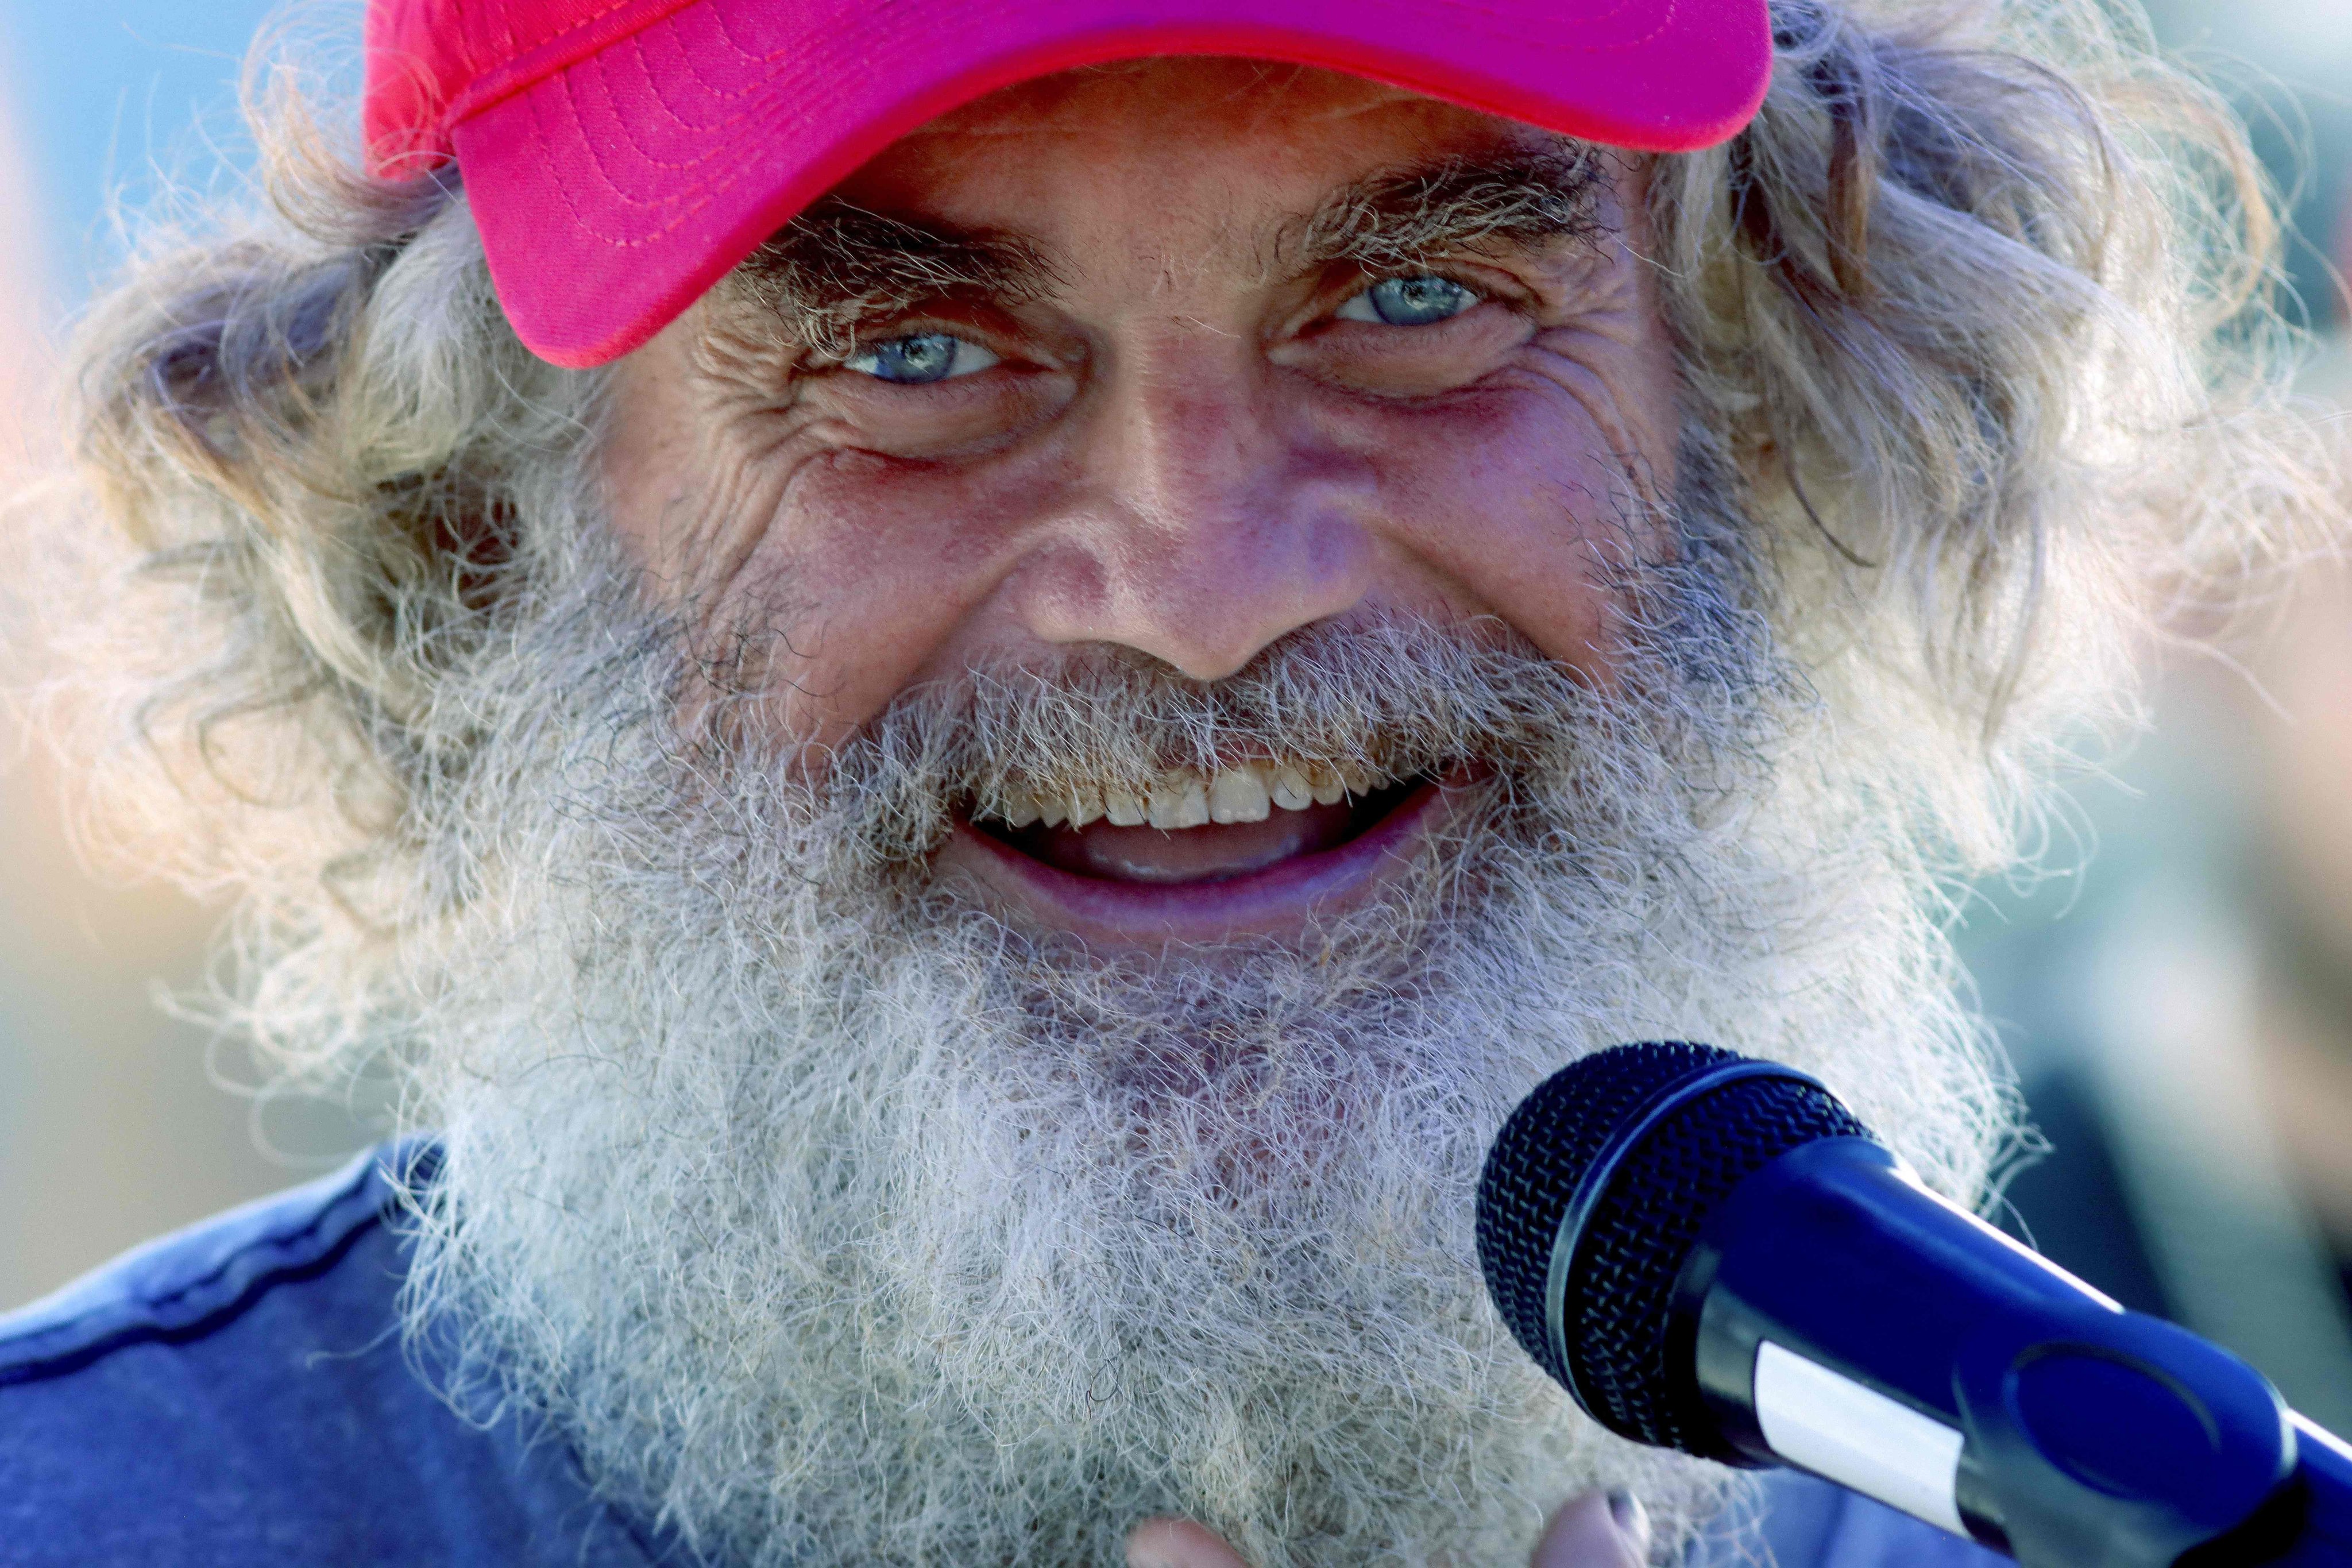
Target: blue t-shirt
240,1393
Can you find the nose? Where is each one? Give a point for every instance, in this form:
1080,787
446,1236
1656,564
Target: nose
1209,522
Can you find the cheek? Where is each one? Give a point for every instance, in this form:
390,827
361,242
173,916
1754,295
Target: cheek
838,578
1516,499
875,573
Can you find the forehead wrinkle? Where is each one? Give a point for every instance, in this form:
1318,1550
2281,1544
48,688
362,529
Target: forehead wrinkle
837,264
1416,214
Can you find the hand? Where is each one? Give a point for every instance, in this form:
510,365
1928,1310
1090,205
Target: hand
1595,1529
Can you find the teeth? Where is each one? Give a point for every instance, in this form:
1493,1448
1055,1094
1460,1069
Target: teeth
1290,790
1160,807
1194,810
1177,800
1244,792
1239,795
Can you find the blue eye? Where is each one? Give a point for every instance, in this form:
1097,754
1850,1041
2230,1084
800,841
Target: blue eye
922,357
1409,301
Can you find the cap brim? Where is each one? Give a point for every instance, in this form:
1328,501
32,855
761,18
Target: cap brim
612,193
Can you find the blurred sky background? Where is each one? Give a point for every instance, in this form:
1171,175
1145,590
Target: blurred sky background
116,1123
2180,1012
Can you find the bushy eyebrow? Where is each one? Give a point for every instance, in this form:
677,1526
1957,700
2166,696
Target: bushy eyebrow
837,267
1412,216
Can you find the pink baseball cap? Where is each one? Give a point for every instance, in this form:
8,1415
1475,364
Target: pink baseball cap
622,155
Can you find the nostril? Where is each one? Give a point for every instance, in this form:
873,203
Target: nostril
1204,591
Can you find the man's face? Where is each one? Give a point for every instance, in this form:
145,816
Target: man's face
1176,359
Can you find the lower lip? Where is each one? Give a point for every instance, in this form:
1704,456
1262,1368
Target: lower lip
1279,900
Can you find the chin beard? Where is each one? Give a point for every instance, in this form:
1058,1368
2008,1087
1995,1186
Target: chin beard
833,1219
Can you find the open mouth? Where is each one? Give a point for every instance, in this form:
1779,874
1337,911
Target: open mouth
1252,849
1245,818
1191,827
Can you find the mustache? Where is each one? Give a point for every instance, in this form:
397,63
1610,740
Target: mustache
1392,696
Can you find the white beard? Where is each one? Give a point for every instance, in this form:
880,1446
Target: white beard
835,1221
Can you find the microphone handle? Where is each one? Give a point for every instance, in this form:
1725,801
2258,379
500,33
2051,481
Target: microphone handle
1840,1318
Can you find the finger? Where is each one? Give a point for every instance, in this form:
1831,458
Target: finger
1598,1530
1178,1543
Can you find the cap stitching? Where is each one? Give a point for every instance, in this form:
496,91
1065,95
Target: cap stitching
724,131
725,36
702,195
502,83
727,130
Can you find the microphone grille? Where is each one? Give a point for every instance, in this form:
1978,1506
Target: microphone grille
1642,1226
1542,1153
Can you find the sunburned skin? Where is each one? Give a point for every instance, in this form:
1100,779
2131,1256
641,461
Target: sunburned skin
1195,413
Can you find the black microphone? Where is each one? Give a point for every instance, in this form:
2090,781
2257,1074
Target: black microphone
1714,1255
